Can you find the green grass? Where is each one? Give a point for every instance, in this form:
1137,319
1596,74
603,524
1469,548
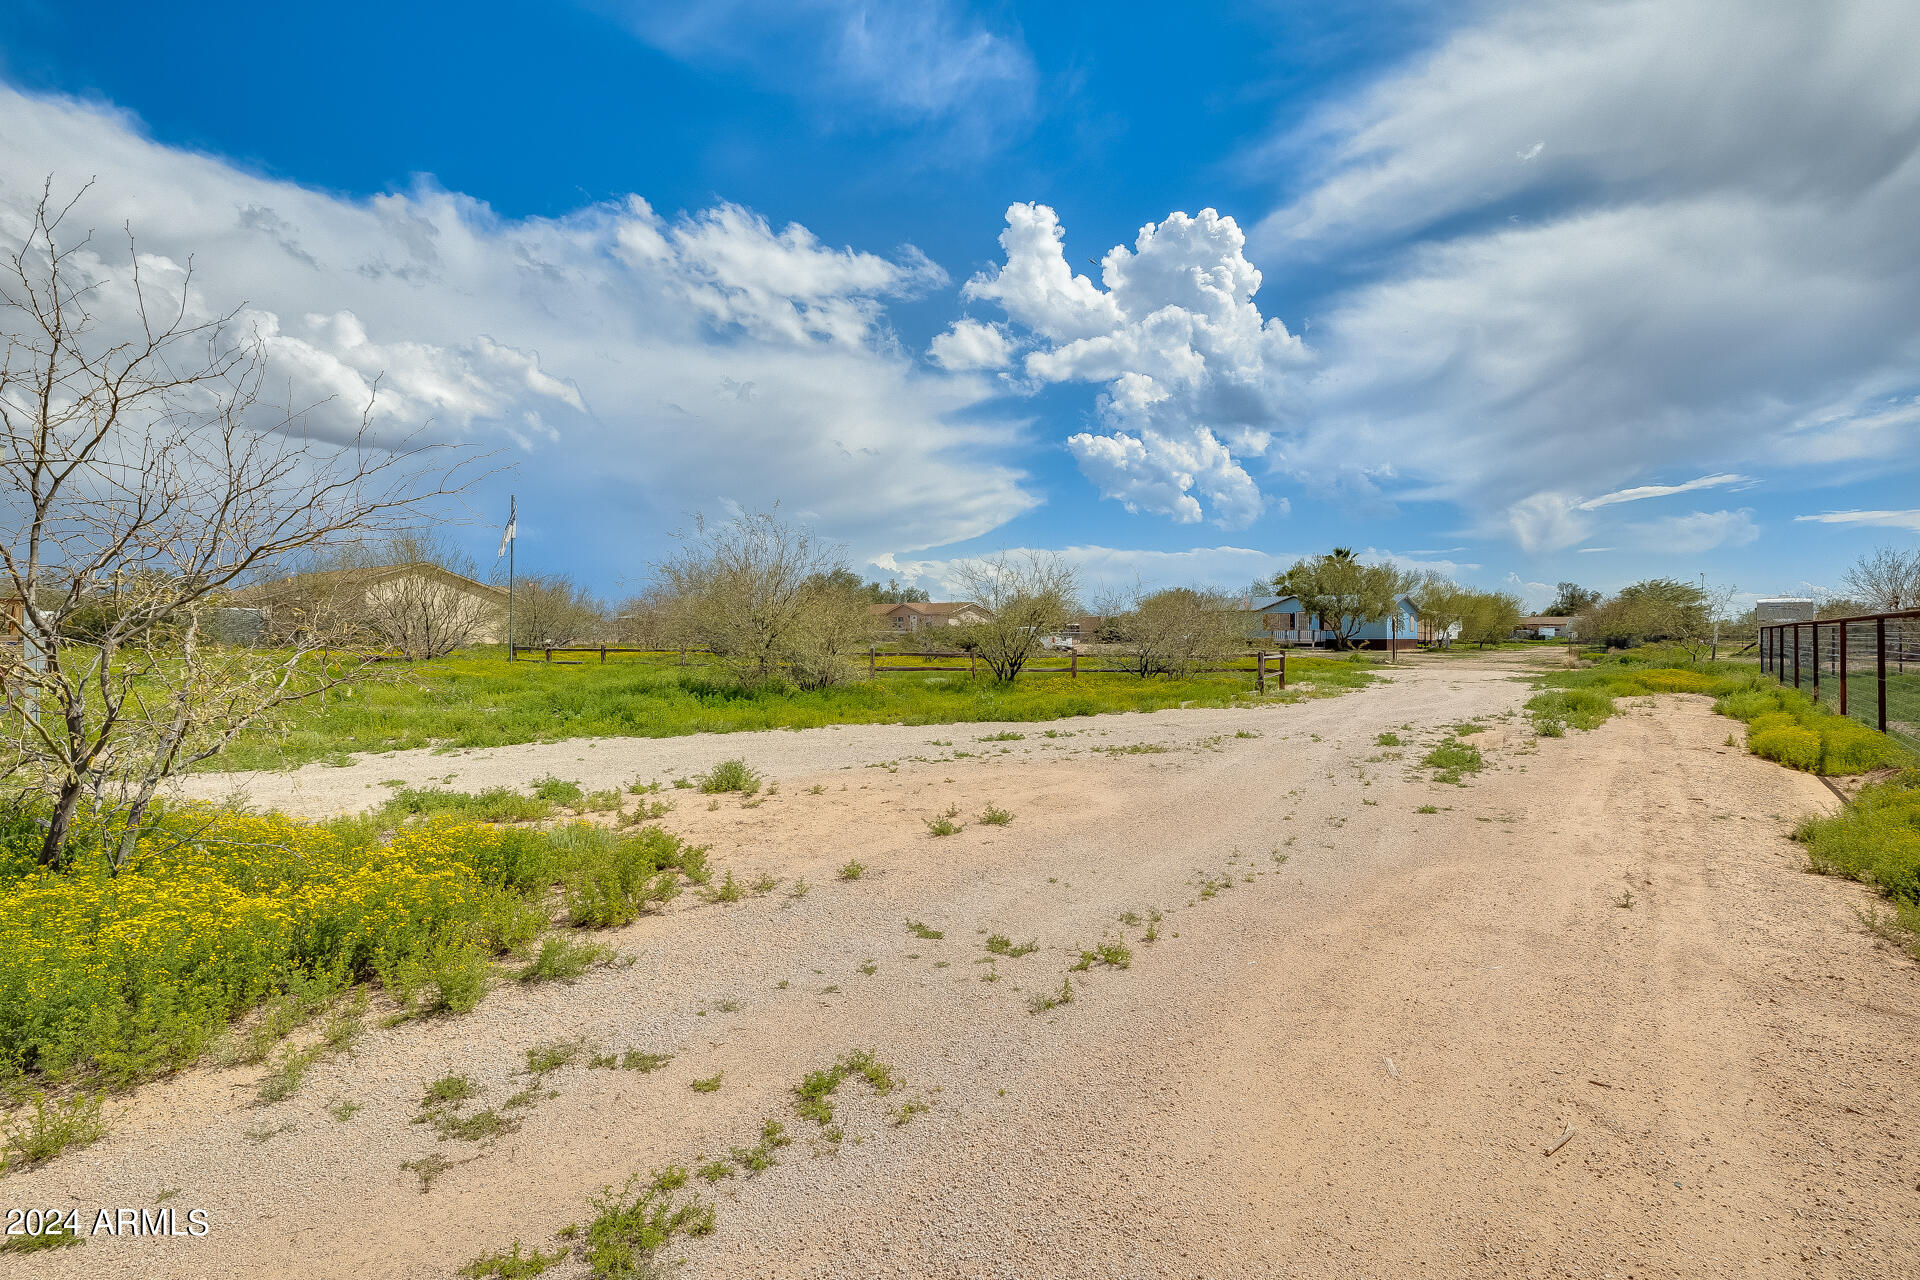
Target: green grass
558,791
47,1126
813,1096
515,1265
729,776
994,816
61,1239
1876,840
1783,724
627,1231
1453,759
563,960
476,699
496,804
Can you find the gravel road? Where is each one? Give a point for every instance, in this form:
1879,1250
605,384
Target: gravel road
1359,1029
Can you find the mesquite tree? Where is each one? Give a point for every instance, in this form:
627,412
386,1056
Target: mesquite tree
143,477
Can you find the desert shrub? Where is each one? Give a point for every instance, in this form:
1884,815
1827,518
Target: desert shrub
556,790
495,804
1574,708
1747,704
1671,680
609,879
1875,839
1847,746
729,775
123,977
1788,744
1768,721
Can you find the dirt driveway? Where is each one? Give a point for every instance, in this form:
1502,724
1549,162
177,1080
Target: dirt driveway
1357,1033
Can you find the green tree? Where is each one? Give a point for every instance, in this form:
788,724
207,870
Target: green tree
1488,617
1178,630
1344,593
1572,599
1653,609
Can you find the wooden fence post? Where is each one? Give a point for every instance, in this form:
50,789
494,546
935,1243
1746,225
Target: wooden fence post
1073,664
603,655
973,663
549,654
1260,672
873,663
1283,668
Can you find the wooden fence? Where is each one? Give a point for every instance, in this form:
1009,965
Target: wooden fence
1073,669
1265,664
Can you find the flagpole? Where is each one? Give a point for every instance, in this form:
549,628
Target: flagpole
513,527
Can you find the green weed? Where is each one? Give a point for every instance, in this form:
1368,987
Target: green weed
730,776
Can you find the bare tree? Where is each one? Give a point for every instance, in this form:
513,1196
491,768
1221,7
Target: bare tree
835,624
1885,580
143,472
1027,598
550,611
1179,630
405,593
743,588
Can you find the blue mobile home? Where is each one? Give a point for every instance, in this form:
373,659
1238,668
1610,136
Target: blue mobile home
1283,620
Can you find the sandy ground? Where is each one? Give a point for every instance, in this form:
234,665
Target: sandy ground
1349,1063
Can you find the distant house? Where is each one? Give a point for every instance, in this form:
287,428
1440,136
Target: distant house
910,616
1284,620
392,594
1543,628
1084,630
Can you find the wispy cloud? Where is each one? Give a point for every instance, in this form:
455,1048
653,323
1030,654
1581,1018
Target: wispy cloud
890,63
1881,519
1640,492
1768,186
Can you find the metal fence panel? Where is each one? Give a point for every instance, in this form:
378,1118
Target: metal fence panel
1866,667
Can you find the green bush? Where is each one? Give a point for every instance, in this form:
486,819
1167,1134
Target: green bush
1848,746
609,879
559,791
117,977
1772,720
1875,839
495,804
1748,704
1788,744
730,775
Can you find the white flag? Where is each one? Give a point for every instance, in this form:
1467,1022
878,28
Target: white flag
513,527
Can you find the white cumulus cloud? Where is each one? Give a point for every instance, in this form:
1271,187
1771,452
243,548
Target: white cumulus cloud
661,364
1193,374
969,344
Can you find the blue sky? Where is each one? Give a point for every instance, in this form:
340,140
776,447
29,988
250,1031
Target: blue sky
1530,293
